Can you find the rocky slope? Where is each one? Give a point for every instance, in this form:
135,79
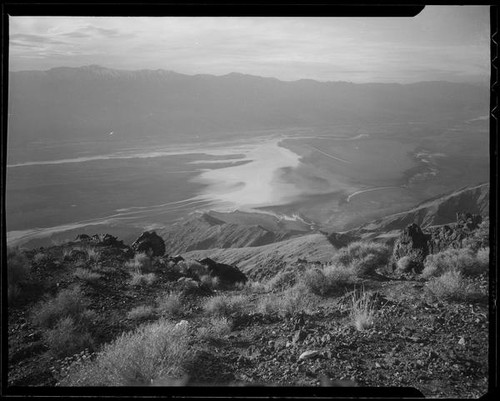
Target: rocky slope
267,260
228,230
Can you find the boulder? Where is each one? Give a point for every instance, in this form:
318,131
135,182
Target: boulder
149,242
226,273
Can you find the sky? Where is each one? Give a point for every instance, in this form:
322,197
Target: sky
441,43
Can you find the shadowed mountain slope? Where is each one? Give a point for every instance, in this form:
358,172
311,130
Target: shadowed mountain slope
433,212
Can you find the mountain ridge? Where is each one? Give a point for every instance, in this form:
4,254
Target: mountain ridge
166,105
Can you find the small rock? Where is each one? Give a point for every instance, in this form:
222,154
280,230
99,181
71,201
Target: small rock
377,365
308,355
182,324
300,335
461,341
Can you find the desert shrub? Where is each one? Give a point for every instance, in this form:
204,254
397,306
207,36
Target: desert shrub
329,280
462,260
18,269
406,264
294,300
170,305
283,280
362,310
363,258
141,312
141,263
93,255
453,286
210,282
223,305
252,287
268,304
217,328
66,253
480,238
41,257
69,302
67,338
193,268
315,281
483,259
151,352
142,279
86,275
338,277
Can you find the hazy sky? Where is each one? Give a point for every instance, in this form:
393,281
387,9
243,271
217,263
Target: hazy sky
441,43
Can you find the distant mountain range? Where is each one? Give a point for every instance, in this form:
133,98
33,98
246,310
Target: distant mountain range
88,103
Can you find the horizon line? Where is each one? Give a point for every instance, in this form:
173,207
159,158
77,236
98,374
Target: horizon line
471,82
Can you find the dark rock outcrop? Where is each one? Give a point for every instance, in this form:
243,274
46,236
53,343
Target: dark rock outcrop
226,273
412,242
149,242
417,244
453,235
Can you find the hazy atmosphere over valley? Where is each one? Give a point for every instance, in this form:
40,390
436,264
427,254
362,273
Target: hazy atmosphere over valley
268,145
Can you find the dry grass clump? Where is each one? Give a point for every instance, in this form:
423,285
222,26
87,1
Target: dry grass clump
142,312
142,279
217,328
86,275
453,286
141,263
68,302
283,280
463,260
362,310
18,269
363,258
67,338
287,303
170,305
224,305
151,352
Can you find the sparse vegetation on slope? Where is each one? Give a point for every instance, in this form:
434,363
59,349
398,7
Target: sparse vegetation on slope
18,269
151,352
297,327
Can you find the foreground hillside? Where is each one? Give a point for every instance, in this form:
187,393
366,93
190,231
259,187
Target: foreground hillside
96,312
